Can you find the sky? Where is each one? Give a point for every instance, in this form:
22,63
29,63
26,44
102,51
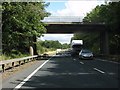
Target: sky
69,8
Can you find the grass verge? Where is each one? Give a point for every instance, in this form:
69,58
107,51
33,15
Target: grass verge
12,56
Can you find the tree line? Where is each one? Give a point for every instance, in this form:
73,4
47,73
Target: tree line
109,15
50,45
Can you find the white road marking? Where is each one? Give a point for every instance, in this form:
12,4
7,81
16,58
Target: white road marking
26,79
108,61
74,59
81,62
111,73
82,73
98,70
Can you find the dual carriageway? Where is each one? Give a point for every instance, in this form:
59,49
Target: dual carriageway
64,71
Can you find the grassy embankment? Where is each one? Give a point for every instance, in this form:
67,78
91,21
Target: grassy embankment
7,57
12,56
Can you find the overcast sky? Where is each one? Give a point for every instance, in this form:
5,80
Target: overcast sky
69,8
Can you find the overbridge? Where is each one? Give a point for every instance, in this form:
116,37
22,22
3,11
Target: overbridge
74,25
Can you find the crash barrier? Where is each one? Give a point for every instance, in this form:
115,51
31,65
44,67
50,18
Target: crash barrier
19,61
43,56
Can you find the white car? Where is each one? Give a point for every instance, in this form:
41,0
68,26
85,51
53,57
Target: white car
85,54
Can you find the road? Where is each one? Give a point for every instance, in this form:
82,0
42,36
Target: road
66,72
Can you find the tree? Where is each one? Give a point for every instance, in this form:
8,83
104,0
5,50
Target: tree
108,14
51,44
65,46
20,23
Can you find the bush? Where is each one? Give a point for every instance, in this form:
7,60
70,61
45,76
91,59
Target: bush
15,53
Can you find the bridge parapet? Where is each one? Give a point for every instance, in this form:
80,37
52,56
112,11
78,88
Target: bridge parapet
62,19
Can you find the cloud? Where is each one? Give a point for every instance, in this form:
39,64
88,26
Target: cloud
74,8
78,8
62,38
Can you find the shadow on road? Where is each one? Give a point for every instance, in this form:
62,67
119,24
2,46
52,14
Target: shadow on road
65,73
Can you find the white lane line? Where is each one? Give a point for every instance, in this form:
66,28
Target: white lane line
74,59
111,73
26,79
108,61
98,70
81,62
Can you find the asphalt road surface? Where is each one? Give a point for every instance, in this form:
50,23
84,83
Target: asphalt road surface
66,72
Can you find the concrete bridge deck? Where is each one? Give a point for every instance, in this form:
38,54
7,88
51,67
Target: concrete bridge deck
72,27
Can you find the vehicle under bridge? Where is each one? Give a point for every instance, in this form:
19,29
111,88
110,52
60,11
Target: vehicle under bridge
78,27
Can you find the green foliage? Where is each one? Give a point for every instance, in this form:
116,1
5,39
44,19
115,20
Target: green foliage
4,57
40,48
108,14
65,46
50,45
21,21
13,55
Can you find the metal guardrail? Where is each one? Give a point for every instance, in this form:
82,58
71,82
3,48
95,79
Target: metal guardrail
12,61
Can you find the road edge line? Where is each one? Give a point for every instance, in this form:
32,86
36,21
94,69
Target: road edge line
108,61
26,79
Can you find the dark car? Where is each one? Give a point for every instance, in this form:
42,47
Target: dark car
85,54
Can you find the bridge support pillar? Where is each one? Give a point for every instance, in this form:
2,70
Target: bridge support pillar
104,43
31,51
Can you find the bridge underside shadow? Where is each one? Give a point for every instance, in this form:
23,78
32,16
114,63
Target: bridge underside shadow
74,28
64,28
